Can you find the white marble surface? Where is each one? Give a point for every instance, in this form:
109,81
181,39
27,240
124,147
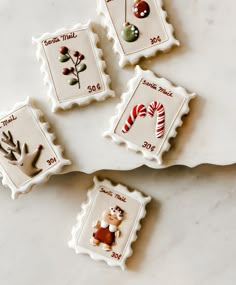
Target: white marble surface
205,64
188,237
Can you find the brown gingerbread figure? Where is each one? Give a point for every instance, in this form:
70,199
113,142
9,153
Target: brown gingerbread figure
107,229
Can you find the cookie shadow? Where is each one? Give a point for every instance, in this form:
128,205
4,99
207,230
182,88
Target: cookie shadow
187,130
143,236
179,33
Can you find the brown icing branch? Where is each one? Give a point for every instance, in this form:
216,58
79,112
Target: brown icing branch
8,139
77,67
7,154
26,161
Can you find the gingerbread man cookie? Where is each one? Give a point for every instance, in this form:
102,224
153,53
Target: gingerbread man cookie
110,237
107,229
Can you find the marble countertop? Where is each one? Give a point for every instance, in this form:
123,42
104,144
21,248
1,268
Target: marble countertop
188,237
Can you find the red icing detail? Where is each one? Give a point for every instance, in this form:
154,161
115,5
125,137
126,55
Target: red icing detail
130,121
105,236
141,9
160,125
76,53
40,147
65,71
81,56
64,50
161,122
138,110
141,110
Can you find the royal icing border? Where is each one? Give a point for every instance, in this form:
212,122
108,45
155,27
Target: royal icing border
85,209
132,84
43,177
148,52
85,100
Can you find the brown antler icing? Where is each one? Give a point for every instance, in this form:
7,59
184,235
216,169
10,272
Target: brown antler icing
27,161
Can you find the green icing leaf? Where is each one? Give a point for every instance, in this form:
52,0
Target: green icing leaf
81,67
63,58
72,81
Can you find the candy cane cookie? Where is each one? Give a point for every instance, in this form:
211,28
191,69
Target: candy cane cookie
159,108
165,106
138,110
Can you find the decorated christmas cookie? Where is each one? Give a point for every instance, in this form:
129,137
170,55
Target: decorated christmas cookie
28,155
109,222
138,28
73,67
149,115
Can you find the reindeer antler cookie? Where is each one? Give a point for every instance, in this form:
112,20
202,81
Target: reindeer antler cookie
12,147
27,161
28,155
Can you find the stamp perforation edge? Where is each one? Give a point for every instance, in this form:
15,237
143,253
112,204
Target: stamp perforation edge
50,137
83,215
84,100
133,58
125,98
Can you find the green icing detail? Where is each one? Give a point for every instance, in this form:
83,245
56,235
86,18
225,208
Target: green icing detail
130,33
72,81
81,67
63,58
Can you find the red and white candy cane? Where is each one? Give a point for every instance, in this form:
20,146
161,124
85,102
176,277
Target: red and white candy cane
159,108
138,110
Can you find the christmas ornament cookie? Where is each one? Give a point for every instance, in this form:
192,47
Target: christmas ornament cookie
73,67
28,155
137,27
108,223
149,115
141,9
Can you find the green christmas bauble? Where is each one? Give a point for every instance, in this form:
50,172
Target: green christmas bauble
130,33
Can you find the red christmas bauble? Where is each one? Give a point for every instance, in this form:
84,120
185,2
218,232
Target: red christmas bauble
141,9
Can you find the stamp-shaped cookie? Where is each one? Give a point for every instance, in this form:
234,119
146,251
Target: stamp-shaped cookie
28,155
149,114
73,67
108,223
138,28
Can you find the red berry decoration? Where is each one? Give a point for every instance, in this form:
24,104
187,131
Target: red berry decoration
81,57
76,53
76,69
141,9
65,71
63,50
40,147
